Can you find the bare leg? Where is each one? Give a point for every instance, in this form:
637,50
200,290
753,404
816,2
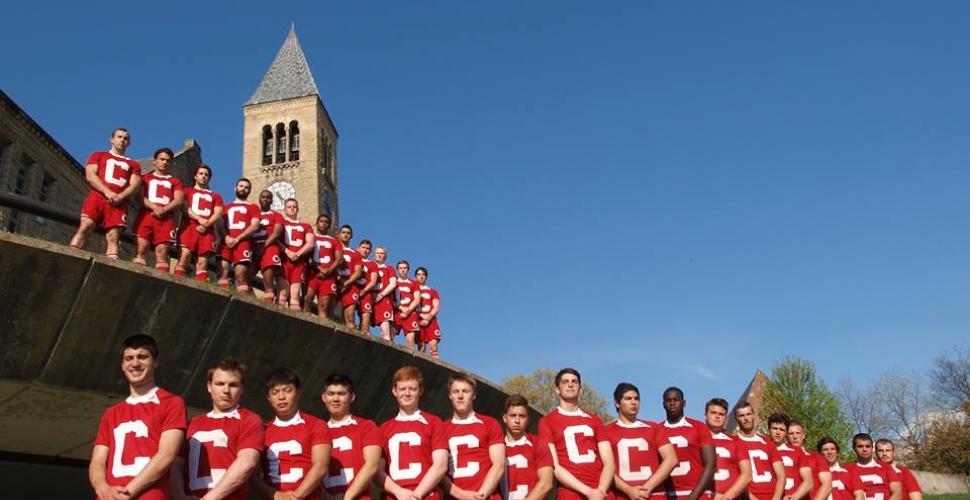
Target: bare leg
112,236
161,257
202,268
386,330
409,340
141,251
241,275
295,289
83,230
183,264
349,313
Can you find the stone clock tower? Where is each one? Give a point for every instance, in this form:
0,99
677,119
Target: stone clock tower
289,140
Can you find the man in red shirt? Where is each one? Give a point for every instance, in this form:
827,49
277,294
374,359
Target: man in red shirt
367,285
356,454
581,452
222,447
844,485
477,445
643,461
798,470
266,245
693,476
733,465
415,446
113,178
886,452
203,209
297,444
139,437
767,469
241,223
875,479
161,195
348,274
529,475
821,477
384,294
327,257
408,300
298,242
430,332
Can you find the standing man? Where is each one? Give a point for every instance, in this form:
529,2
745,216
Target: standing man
349,273
798,469
529,475
368,286
844,484
477,445
733,465
222,447
356,454
138,438
821,476
415,446
581,452
767,470
242,221
327,257
886,452
297,444
384,296
161,195
875,479
430,332
298,242
408,300
643,461
693,477
266,244
113,178
198,235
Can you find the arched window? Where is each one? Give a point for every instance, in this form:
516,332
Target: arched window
326,147
327,206
280,143
267,145
294,141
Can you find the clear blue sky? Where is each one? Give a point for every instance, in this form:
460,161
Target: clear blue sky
650,191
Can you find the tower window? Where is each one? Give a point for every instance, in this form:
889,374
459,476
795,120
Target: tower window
294,141
46,188
280,143
19,186
267,145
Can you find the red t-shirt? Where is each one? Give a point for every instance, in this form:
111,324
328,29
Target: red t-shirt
407,290
295,234
132,429
408,441
325,250
844,484
873,478
906,477
350,437
351,260
370,269
239,215
794,459
289,446
468,442
763,454
818,464
211,444
525,457
267,221
428,296
574,436
384,275
160,189
688,437
114,171
729,455
201,202
635,449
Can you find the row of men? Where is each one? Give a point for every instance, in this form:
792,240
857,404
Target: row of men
302,266
146,449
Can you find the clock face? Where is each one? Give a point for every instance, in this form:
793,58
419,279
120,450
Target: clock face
282,191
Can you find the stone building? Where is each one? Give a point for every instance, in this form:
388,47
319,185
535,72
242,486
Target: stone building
751,394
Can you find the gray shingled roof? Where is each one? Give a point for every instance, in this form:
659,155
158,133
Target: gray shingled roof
288,77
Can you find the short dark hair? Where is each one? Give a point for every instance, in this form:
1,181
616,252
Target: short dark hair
463,377
623,388
346,226
516,400
200,167
886,441
568,370
716,402
140,340
162,150
779,418
337,378
673,389
402,261
113,132
294,200
323,216
228,365
421,269
862,436
827,440
744,403
282,376
244,179
364,241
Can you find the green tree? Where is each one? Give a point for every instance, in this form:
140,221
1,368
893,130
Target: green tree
795,389
540,389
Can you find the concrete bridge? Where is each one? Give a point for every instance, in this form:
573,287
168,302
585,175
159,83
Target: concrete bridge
63,314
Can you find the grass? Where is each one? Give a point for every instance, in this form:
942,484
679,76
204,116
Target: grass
951,496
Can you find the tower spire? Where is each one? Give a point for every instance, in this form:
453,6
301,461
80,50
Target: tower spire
288,77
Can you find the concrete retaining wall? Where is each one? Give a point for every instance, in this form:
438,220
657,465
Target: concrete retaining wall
933,483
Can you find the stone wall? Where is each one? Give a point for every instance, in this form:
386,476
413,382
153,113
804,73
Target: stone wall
934,483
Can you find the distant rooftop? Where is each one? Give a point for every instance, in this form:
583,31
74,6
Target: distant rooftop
288,77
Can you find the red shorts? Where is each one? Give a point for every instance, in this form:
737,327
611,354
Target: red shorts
198,244
322,286
366,303
408,325
430,332
384,311
294,272
97,208
349,295
151,228
242,254
269,256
